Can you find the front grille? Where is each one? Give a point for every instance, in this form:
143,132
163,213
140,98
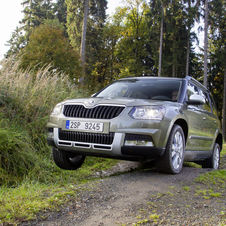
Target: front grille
99,112
95,138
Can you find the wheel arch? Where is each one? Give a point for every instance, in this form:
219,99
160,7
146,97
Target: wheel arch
183,124
219,140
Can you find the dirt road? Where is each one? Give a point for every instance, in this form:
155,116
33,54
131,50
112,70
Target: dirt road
143,197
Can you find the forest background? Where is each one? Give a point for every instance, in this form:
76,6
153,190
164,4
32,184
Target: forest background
141,38
52,58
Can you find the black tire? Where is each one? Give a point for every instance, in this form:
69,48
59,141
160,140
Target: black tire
173,157
67,162
214,161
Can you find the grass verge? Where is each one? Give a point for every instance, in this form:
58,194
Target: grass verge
24,201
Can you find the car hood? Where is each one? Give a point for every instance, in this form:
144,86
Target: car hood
92,102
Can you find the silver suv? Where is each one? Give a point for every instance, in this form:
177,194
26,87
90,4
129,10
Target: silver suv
168,120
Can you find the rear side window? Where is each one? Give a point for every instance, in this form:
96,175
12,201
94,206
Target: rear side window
206,106
214,109
194,90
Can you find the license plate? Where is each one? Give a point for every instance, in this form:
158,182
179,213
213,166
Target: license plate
87,126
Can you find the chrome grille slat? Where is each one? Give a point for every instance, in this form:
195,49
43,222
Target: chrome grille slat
99,112
95,138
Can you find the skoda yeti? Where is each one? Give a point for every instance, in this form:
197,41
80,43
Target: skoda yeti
168,120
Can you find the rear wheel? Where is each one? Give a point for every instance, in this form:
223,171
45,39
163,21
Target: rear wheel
214,161
67,162
173,158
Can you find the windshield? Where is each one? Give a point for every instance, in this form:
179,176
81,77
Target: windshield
155,89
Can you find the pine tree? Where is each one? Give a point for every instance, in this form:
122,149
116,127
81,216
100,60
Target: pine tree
131,49
175,36
35,13
217,80
95,24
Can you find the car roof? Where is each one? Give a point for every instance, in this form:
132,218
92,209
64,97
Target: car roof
188,78
150,77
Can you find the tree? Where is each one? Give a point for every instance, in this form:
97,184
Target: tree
217,80
174,42
95,25
35,12
84,29
132,47
60,11
192,13
16,42
48,45
160,45
205,43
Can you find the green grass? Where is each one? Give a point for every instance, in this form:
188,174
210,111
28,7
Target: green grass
30,197
30,182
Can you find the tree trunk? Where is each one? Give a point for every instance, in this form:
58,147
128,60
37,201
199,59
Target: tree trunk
188,40
205,43
188,53
174,61
224,104
160,47
84,28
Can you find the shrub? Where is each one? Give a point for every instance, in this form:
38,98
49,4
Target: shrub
17,156
26,100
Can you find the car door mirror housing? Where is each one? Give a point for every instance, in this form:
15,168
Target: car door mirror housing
196,100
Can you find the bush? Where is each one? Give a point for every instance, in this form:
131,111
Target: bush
17,156
26,100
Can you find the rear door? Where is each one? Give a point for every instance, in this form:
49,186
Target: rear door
200,122
210,120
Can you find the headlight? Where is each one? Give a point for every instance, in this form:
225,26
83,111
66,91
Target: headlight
147,112
57,110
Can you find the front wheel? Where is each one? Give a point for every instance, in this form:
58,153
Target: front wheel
214,160
173,157
67,162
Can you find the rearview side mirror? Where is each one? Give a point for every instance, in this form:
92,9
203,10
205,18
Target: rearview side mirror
196,100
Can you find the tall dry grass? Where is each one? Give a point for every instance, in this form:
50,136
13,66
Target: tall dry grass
26,100
34,94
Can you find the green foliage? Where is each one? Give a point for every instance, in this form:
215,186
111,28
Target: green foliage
48,45
217,49
25,104
35,13
132,48
46,187
17,155
95,25
29,179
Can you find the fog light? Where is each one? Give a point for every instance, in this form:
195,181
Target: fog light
139,143
50,135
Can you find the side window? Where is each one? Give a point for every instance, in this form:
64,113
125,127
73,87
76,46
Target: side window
214,109
206,106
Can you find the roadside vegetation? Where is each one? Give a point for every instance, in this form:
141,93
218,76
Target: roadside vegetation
29,180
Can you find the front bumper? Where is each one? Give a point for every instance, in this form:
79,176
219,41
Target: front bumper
97,146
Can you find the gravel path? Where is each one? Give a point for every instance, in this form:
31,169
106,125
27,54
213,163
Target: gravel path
144,197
